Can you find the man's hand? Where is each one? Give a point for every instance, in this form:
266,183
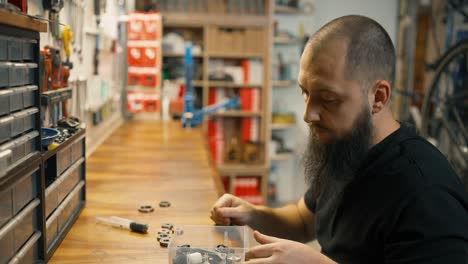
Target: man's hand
231,210
278,251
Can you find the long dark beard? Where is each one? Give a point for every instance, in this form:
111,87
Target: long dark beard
338,161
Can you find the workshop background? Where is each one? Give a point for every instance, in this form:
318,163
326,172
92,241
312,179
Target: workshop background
108,107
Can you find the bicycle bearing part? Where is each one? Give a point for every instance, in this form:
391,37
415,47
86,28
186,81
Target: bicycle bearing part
164,242
146,209
164,204
167,226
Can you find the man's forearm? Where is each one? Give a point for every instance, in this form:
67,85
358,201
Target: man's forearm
284,222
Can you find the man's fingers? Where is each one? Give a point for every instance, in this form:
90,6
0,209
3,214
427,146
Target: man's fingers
220,220
264,239
261,251
224,201
268,260
228,212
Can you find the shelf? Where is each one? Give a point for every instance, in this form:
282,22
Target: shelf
282,156
180,55
55,96
80,134
285,41
286,83
232,85
22,21
199,20
236,114
282,126
241,169
142,89
230,55
196,83
282,9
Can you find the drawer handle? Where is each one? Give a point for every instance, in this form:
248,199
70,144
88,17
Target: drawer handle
5,92
13,222
24,250
31,88
7,119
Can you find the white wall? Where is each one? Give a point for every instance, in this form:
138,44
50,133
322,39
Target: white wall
382,11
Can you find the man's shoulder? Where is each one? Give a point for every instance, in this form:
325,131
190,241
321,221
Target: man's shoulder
414,166
431,167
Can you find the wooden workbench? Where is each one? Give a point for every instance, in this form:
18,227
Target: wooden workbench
141,163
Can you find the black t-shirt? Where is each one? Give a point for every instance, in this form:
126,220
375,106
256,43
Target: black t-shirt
406,205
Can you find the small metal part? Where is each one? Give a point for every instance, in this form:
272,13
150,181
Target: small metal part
164,204
179,231
167,226
184,246
164,231
146,209
221,248
162,236
234,258
165,242
196,258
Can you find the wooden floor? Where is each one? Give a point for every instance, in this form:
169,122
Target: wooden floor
141,163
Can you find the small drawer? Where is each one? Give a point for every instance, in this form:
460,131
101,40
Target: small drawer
24,121
16,99
5,74
5,158
5,102
17,231
78,149
29,96
6,128
70,179
29,48
3,48
51,231
18,123
70,206
29,253
63,160
7,247
25,228
24,190
16,150
30,145
6,206
18,74
15,49
30,73
51,197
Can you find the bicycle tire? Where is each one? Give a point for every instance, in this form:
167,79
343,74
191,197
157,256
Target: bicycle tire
449,57
444,60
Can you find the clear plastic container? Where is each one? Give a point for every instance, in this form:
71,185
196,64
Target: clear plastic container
209,244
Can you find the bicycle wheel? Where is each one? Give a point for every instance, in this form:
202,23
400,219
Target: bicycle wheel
445,108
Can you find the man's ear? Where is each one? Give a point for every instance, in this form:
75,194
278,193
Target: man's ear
379,96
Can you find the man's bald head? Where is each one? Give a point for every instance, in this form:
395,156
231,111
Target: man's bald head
370,55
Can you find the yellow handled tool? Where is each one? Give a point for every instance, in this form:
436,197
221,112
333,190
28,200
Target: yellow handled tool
67,35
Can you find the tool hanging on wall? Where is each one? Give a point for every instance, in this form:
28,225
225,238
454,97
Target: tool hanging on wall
45,70
67,36
54,7
97,13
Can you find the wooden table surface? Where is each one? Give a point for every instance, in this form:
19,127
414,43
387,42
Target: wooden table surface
141,163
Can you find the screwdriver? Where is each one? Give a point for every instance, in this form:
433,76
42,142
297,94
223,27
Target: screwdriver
123,223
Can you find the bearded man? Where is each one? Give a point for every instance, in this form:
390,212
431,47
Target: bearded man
379,193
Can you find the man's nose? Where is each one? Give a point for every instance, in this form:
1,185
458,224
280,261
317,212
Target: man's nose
311,113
